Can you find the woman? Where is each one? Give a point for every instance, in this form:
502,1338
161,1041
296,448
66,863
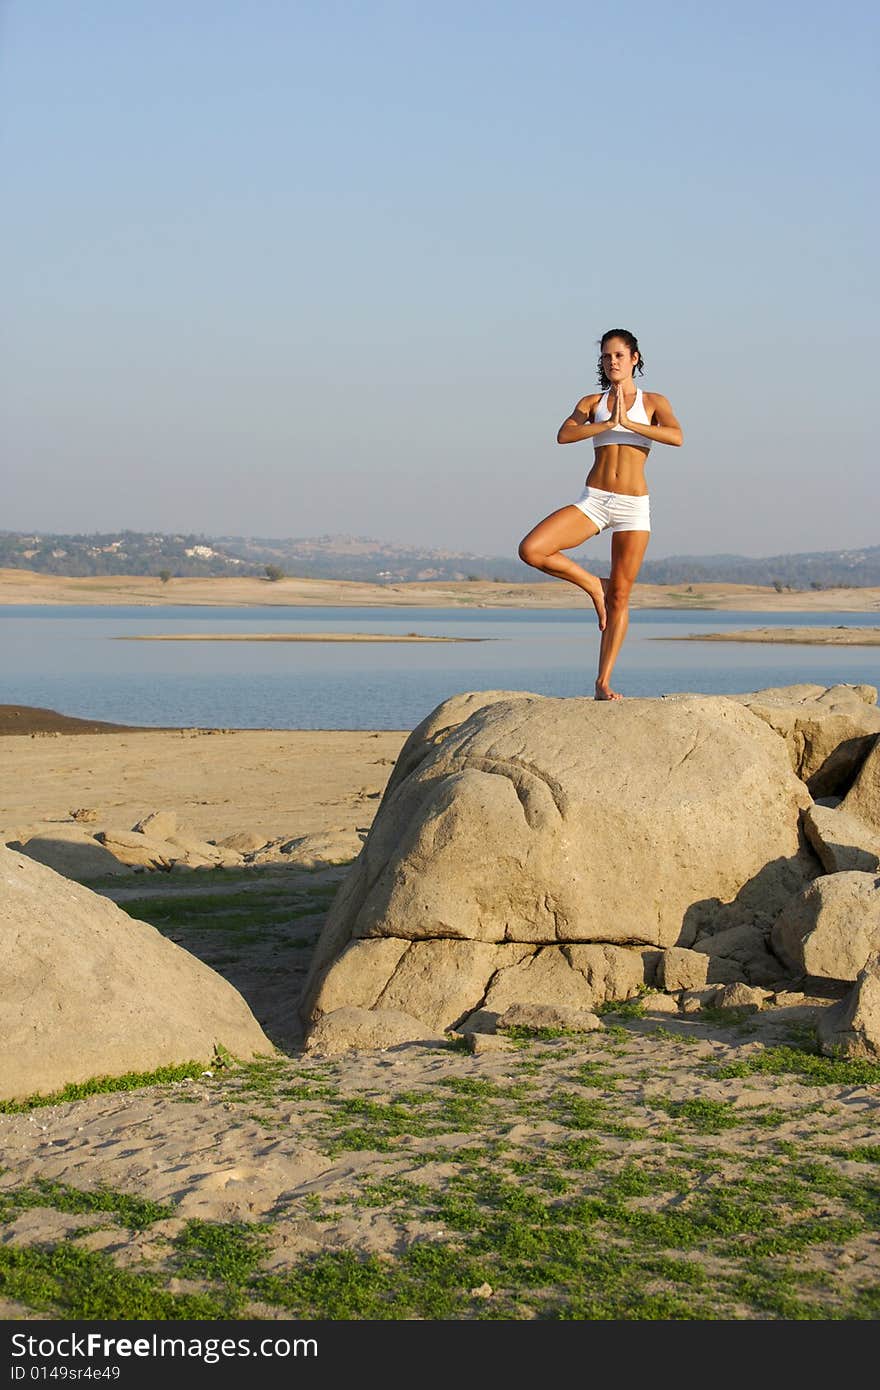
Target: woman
623,422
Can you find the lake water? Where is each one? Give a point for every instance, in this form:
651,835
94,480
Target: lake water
65,658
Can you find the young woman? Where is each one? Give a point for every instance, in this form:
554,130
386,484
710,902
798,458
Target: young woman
623,422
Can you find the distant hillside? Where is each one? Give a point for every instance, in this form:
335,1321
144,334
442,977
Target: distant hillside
362,558
817,569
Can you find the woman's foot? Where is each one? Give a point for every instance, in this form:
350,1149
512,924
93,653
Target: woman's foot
597,594
604,692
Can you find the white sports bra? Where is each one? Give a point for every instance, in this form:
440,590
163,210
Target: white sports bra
617,435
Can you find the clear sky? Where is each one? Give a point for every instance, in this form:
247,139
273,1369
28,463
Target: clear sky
286,269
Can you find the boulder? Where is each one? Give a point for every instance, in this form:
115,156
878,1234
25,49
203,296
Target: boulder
863,797
86,991
828,731
850,1029
137,850
159,825
73,852
516,830
745,997
316,851
354,1029
243,841
657,1003
841,840
202,853
683,969
548,1016
830,928
744,949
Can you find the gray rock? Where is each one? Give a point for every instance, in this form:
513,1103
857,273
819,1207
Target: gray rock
87,991
841,840
830,928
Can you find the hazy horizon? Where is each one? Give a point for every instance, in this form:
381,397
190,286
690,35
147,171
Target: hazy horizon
295,271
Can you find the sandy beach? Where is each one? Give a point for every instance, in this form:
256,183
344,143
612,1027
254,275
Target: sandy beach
25,587
798,636
666,1166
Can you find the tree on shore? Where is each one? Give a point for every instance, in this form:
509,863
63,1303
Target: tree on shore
164,575
274,573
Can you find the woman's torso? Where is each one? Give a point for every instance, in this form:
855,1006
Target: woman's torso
621,454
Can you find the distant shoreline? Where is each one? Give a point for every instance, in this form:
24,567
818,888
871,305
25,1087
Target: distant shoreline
26,587
290,637
806,636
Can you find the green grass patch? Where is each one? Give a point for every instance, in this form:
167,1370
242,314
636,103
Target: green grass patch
101,1085
133,1212
812,1068
72,1283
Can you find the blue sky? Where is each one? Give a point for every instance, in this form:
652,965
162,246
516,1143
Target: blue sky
292,269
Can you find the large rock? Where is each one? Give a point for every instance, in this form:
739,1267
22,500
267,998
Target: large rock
831,928
850,1030
841,840
529,826
863,798
73,852
828,731
87,991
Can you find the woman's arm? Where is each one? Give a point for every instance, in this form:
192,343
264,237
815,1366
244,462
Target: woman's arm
664,428
578,425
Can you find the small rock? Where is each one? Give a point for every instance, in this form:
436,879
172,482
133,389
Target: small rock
481,1043
84,813
693,1000
482,1291
658,1003
548,1016
160,825
741,997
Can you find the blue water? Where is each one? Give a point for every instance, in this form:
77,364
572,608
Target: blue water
65,658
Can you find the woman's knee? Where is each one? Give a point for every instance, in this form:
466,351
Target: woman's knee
617,592
530,552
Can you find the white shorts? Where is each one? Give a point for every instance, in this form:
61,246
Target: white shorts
618,510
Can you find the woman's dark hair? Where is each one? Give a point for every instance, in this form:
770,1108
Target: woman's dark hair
632,344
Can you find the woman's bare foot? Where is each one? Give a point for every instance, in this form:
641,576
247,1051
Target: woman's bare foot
597,594
604,692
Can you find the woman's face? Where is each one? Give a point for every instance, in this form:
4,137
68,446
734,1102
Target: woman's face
617,361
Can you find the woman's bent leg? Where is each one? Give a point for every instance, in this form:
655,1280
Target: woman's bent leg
627,553
542,549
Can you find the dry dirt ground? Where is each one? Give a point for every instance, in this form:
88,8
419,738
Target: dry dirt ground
24,586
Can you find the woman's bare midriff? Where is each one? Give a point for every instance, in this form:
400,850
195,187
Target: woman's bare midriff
619,468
